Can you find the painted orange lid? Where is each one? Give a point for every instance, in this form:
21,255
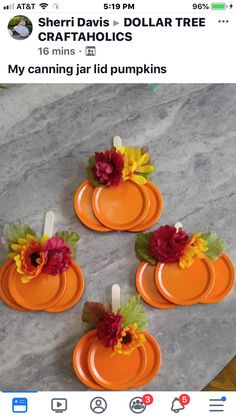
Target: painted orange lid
74,289
115,372
83,207
80,363
153,360
121,207
185,286
155,208
4,289
224,280
146,287
40,293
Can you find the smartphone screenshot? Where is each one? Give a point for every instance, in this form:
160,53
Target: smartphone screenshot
117,209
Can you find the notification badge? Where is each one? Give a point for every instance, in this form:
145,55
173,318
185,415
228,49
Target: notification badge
184,399
147,399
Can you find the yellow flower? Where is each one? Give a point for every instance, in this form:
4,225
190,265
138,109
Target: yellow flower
28,254
135,164
130,340
196,246
200,245
187,259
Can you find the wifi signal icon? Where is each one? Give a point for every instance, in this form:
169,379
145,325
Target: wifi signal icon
43,5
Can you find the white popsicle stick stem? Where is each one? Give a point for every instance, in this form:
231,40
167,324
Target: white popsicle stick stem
178,225
117,141
48,224
115,298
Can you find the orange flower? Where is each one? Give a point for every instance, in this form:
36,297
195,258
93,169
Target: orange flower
29,256
130,340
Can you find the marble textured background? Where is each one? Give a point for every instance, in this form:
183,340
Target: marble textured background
47,133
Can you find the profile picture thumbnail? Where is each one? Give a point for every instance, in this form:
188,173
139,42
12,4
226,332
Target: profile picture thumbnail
20,27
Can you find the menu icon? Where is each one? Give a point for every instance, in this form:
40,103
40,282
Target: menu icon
217,405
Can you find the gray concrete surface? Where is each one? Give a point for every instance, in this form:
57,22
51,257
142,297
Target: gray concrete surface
47,133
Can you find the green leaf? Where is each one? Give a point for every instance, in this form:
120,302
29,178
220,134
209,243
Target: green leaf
133,312
13,232
70,237
142,249
95,183
93,312
216,245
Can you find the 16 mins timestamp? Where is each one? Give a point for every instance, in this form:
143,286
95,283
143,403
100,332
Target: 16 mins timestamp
56,51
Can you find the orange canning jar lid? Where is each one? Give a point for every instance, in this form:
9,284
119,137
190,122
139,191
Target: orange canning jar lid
121,207
224,280
80,362
40,293
116,372
185,286
146,287
4,287
74,289
155,208
83,207
153,360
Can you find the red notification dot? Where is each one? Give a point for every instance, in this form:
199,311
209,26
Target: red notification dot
147,399
184,399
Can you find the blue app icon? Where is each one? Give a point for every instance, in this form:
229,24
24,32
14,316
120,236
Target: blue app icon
19,405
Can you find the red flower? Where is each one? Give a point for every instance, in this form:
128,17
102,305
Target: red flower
109,329
167,244
108,167
58,256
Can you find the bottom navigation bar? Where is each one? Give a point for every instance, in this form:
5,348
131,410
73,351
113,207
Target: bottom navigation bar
87,404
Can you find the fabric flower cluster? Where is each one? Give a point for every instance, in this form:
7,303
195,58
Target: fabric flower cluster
168,245
116,165
123,340
34,256
121,331
108,167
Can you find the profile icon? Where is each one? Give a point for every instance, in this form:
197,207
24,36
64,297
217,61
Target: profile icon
98,405
20,27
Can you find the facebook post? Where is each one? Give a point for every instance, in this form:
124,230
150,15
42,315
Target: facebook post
118,232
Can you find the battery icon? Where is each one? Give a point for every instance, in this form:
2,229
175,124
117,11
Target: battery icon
218,6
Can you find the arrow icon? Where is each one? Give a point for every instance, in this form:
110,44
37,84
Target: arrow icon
115,23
